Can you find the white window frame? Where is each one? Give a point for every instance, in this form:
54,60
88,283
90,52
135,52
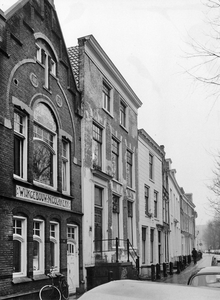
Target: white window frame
123,121
156,204
65,167
131,222
131,168
151,166
118,157
49,64
40,239
22,136
23,240
116,219
100,146
108,96
56,240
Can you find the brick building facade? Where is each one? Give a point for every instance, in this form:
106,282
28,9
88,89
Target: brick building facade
40,153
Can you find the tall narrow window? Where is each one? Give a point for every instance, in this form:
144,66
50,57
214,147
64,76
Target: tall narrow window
20,145
38,246
129,168
115,217
150,166
115,159
155,204
130,222
143,245
19,246
45,146
54,245
151,245
46,58
146,198
159,246
98,219
122,114
65,167
97,147
106,97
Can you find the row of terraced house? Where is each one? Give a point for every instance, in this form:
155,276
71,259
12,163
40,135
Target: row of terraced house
82,189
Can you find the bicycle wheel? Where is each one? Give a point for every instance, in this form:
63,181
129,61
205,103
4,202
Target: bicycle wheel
64,289
49,292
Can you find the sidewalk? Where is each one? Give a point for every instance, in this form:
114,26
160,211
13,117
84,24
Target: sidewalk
74,296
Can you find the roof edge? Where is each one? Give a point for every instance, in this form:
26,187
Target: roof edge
95,48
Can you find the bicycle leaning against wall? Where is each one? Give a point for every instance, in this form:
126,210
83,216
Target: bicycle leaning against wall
52,292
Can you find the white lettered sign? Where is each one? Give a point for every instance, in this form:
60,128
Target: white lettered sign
42,198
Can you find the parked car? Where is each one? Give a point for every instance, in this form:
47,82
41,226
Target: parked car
215,260
136,289
207,276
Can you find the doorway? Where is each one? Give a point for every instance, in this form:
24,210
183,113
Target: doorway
72,258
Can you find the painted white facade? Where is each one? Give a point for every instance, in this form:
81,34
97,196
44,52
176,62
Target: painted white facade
150,155
175,227
188,215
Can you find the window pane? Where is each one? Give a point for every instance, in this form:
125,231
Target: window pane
106,97
122,114
98,229
18,156
129,168
18,123
16,256
64,175
52,230
52,254
36,256
65,166
42,164
98,196
97,146
115,159
43,115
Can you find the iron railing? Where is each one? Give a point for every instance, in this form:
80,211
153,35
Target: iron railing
116,250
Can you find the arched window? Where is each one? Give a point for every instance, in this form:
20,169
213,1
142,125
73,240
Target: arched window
45,146
19,246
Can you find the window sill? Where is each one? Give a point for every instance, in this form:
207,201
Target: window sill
148,215
130,188
40,277
19,280
66,193
117,181
108,112
44,186
17,178
124,128
49,91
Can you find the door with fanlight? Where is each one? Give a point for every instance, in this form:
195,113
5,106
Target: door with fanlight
72,258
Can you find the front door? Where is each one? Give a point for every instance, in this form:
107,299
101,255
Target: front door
72,258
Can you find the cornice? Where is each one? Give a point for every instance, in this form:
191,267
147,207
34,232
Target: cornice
148,139
106,66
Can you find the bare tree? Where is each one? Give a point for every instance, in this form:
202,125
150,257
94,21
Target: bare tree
215,188
207,50
211,234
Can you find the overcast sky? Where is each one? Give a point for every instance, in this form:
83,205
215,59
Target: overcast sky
148,41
